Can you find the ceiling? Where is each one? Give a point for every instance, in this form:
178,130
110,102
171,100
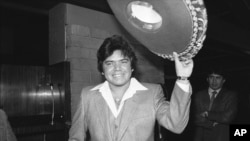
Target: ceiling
227,41
232,11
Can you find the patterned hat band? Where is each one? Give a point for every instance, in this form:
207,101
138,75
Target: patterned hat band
164,26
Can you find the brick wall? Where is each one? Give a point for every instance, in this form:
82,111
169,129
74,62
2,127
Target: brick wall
75,35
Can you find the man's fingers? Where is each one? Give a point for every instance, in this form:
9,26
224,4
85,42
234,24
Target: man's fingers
188,61
175,56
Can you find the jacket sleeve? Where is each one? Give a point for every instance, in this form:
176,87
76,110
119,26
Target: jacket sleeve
203,122
199,108
173,114
230,110
78,129
6,132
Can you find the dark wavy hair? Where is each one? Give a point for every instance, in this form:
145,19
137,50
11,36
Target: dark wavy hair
217,70
111,44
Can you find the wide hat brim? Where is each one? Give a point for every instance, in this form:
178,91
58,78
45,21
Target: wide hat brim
182,30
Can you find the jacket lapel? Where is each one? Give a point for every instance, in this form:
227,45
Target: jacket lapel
218,99
130,109
103,115
206,100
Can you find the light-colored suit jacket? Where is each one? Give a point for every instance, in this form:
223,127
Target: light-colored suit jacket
138,115
6,133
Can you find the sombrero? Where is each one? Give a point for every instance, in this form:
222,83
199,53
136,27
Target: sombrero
164,26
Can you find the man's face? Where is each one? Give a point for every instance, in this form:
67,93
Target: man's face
117,69
215,81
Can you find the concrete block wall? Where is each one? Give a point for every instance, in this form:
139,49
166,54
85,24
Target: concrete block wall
81,48
83,32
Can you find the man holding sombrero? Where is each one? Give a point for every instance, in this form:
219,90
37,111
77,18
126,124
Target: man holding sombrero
122,108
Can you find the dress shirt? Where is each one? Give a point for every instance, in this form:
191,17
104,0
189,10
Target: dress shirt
210,92
134,86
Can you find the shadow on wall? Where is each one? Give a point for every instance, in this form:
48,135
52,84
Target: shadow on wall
150,61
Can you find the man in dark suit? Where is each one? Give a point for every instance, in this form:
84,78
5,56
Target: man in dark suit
215,108
124,109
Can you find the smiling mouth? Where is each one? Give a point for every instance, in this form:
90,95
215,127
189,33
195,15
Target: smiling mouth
117,75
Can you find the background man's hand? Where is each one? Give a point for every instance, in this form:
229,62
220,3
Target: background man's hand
204,114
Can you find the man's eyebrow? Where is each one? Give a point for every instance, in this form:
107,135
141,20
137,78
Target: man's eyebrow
217,76
116,60
214,75
108,61
124,59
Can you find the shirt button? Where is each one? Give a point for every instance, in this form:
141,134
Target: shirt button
116,125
